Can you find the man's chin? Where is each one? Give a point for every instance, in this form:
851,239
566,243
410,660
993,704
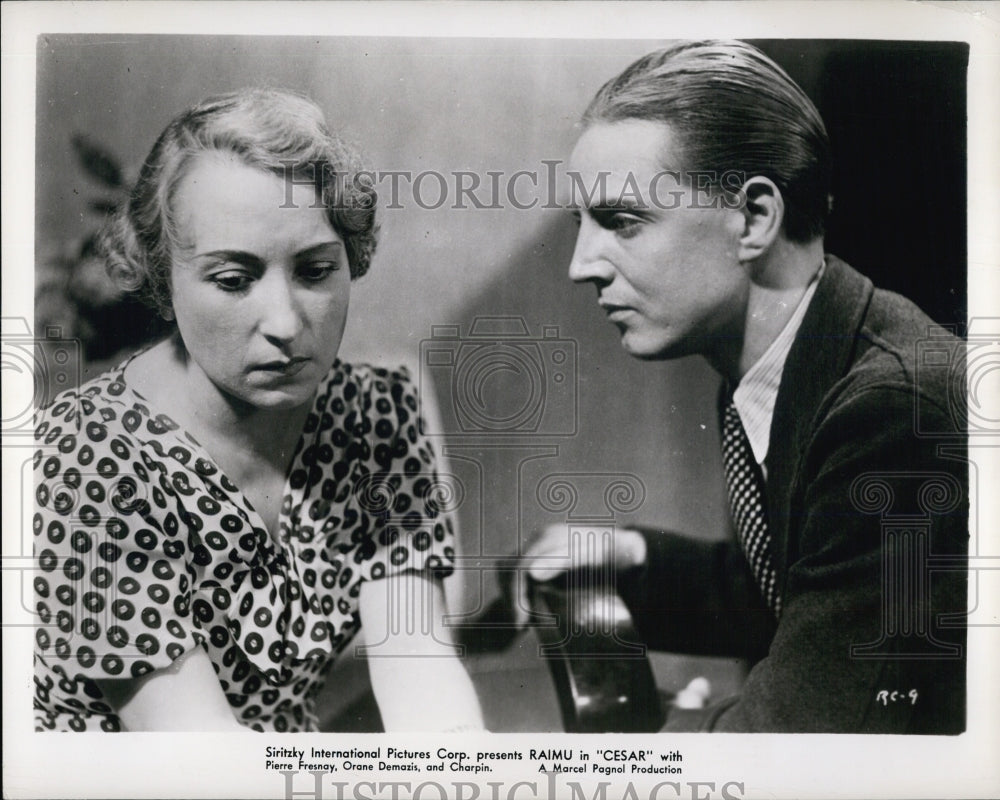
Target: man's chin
646,350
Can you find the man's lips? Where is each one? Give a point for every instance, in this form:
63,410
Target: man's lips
614,310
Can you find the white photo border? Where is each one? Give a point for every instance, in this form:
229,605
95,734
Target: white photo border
777,766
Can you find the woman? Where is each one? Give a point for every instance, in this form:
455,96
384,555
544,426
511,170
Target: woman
219,514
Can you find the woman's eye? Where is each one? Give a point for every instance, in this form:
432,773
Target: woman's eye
232,281
316,271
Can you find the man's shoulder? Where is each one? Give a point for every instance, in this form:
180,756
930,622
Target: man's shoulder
860,343
898,344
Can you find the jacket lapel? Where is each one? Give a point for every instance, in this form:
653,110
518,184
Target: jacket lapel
821,354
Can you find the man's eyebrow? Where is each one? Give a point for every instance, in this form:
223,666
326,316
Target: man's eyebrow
608,207
629,204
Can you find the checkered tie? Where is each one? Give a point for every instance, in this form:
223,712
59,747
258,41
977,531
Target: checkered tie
746,500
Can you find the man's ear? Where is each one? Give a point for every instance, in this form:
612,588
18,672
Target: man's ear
763,213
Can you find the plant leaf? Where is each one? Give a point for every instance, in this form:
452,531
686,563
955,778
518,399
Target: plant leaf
96,161
88,248
104,206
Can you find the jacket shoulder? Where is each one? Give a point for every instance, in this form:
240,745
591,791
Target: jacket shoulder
899,348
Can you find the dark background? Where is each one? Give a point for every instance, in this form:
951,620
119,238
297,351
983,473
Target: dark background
896,116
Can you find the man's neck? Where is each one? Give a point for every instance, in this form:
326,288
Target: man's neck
778,281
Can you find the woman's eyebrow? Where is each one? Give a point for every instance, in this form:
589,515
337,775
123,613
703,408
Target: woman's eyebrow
248,259
241,257
322,248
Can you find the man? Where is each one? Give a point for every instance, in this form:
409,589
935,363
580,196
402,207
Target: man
705,236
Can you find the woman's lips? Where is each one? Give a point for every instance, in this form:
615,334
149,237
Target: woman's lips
286,367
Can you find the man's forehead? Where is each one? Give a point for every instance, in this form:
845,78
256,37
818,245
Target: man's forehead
627,145
619,160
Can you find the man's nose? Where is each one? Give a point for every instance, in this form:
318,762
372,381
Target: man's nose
281,317
589,262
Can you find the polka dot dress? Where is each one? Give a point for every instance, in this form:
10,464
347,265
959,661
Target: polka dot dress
145,549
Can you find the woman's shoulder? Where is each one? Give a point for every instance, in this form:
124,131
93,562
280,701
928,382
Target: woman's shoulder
369,374
104,408
375,406
86,400
371,383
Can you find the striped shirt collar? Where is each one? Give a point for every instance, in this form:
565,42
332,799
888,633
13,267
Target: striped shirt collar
757,391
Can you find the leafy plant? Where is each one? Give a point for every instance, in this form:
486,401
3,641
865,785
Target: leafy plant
72,289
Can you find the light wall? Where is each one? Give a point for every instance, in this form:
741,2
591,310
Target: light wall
438,105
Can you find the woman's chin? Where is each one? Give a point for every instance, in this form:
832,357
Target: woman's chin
272,396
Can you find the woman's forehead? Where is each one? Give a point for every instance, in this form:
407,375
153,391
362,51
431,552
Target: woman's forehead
222,202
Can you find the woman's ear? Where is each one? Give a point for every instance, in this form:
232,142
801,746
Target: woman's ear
763,213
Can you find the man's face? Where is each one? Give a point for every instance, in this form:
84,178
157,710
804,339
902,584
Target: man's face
661,253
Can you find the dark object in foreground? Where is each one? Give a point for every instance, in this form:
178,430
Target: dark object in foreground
602,675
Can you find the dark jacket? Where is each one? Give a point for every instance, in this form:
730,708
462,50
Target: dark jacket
867,502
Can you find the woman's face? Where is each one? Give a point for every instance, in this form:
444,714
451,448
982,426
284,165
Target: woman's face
260,283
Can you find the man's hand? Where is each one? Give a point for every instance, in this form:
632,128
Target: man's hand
558,549
695,695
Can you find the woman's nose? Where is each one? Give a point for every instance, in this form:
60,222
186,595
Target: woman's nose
281,318
589,262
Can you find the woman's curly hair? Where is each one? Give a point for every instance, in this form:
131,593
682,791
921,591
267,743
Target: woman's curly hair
278,131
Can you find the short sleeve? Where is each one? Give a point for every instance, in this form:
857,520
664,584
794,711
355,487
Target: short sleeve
112,584
406,498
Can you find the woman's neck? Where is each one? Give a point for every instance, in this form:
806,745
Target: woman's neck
243,439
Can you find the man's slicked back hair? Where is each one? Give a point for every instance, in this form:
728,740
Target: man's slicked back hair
733,109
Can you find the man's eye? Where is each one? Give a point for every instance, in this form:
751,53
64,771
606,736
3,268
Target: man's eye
624,224
232,281
575,214
316,271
